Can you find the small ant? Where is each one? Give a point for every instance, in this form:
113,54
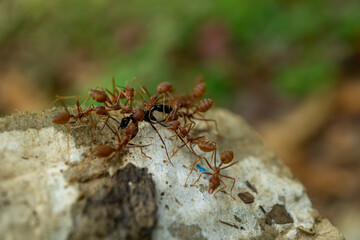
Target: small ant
65,117
102,151
200,108
205,146
184,132
214,182
116,96
164,88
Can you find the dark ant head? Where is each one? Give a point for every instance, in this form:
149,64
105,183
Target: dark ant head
124,122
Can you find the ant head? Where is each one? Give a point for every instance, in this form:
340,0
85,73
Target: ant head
149,104
124,122
226,157
128,92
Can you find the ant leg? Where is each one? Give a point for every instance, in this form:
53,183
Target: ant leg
113,179
87,99
139,146
106,124
83,165
208,120
193,166
94,177
173,149
60,98
228,165
162,140
200,177
232,184
68,142
143,88
193,151
213,156
90,130
179,148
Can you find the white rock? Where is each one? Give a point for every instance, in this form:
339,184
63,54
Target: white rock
35,203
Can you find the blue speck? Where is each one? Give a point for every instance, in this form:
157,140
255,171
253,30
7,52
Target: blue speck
200,168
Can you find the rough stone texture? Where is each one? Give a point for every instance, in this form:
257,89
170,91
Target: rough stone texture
35,203
123,209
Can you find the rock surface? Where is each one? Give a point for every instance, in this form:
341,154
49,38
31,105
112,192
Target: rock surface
133,197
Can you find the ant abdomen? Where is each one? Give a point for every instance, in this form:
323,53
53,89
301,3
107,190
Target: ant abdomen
199,88
226,157
164,87
61,118
207,146
214,183
204,105
99,95
102,150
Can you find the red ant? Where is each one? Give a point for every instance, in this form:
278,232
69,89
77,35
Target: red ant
200,108
112,102
102,150
205,146
184,133
116,96
164,88
214,182
65,117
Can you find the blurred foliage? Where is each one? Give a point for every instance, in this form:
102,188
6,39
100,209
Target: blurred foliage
297,46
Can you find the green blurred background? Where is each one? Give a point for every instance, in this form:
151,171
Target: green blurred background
270,61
